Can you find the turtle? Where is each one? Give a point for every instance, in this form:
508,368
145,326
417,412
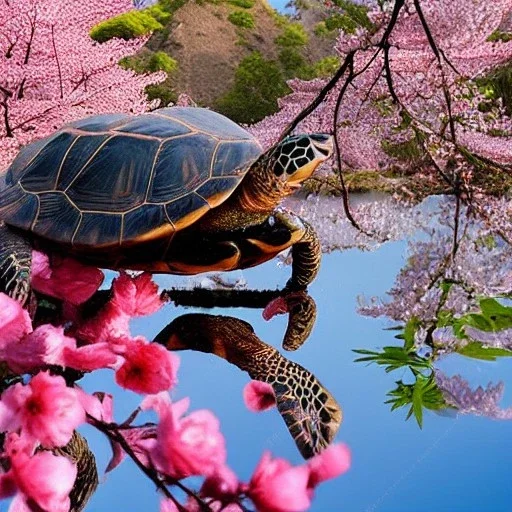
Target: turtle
311,413
180,190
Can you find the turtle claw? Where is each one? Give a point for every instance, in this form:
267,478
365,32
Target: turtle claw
302,316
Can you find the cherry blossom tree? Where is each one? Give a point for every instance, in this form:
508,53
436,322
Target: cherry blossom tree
52,72
408,84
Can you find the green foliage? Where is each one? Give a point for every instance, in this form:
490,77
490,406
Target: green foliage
125,26
321,30
157,61
160,61
499,35
135,63
242,19
349,19
341,22
244,4
492,317
159,12
356,12
498,85
477,350
162,92
171,6
258,85
293,63
325,67
423,393
294,35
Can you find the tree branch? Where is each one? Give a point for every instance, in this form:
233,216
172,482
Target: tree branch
114,435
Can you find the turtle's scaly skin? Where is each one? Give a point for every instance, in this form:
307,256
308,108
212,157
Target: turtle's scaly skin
310,412
78,451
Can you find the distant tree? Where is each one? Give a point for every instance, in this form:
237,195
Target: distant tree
258,84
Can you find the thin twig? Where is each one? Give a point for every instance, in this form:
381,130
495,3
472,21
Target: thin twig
320,97
58,64
114,435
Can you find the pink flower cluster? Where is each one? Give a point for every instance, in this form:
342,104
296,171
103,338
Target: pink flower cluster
275,486
103,341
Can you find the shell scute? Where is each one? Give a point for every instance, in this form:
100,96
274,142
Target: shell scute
216,190
57,218
154,126
100,123
22,209
182,165
207,121
24,157
185,210
117,177
141,222
98,229
231,157
40,173
77,157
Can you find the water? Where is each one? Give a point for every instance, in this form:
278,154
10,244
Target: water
455,462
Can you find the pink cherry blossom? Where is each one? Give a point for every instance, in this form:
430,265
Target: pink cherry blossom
55,73
259,396
41,478
136,296
41,347
45,409
186,445
65,278
277,486
14,321
90,357
222,485
330,463
147,367
131,296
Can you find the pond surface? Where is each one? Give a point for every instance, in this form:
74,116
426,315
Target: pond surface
456,462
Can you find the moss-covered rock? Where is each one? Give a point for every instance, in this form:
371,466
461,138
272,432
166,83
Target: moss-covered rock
130,24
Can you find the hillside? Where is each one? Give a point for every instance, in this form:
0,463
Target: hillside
233,55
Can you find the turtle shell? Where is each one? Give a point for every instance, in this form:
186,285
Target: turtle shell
116,179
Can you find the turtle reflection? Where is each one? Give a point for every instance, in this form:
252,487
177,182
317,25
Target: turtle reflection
309,410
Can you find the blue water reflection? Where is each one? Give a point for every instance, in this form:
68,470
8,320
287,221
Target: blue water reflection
455,463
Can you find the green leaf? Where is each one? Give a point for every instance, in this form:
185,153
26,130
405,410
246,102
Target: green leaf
477,350
410,330
444,318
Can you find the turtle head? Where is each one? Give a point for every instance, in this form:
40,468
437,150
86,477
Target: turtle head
282,169
295,158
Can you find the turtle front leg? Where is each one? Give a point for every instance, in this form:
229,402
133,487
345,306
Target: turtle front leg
15,264
306,256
